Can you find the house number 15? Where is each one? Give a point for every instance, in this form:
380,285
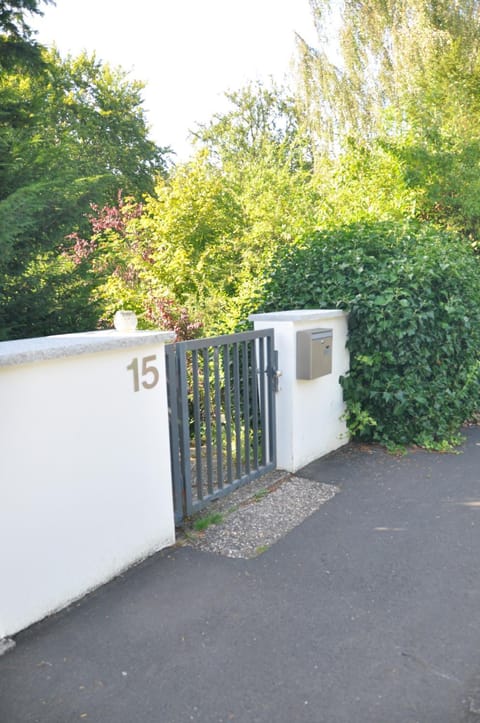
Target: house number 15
149,372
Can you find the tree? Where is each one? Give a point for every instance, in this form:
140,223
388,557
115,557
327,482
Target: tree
220,219
259,117
390,58
205,240
404,85
17,42
12,16
181,247
80,118
70,135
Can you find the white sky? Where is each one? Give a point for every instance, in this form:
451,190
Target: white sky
189,52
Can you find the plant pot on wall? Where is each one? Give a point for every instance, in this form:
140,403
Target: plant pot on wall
125,320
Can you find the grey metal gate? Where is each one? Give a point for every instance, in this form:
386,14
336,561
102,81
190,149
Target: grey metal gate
222,415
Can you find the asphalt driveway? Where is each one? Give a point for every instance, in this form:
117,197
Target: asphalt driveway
367,612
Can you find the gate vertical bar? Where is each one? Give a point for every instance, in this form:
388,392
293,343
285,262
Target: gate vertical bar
197,424
228,412
246,406
254,396
218,417
173,400
263,399
236,392
272,356
184,426
208,419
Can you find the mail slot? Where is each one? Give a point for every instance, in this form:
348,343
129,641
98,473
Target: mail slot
314,353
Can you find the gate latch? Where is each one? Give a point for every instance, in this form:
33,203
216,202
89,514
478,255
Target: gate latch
276,379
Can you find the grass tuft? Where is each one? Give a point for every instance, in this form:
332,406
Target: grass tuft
214,518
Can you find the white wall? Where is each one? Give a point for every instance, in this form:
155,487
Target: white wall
308,412
85,481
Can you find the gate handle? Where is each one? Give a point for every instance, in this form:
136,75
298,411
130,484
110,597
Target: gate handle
277,373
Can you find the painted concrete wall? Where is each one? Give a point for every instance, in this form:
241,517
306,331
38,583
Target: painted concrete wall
309,412
85,481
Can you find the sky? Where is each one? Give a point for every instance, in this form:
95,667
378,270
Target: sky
188,52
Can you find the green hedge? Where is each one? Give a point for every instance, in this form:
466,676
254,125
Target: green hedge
413,293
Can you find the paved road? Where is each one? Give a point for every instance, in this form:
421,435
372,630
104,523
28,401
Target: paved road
368,612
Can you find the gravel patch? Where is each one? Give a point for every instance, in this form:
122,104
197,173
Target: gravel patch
254,519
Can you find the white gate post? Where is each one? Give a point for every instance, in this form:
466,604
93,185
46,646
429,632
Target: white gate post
309,413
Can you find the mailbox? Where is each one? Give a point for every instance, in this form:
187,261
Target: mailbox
314,353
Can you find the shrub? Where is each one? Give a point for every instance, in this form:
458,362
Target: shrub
413,293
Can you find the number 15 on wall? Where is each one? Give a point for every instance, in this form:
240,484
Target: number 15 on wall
144,369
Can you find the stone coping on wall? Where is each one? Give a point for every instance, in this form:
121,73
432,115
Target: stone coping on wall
298,315
26,351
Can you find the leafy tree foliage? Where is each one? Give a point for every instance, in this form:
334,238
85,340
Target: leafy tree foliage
260,117
70,135
206,237
389,61
12,16
403,85
80,118
17,42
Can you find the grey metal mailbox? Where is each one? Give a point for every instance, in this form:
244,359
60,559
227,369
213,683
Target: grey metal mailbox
314,353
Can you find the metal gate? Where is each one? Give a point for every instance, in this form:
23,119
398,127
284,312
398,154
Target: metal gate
221,404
